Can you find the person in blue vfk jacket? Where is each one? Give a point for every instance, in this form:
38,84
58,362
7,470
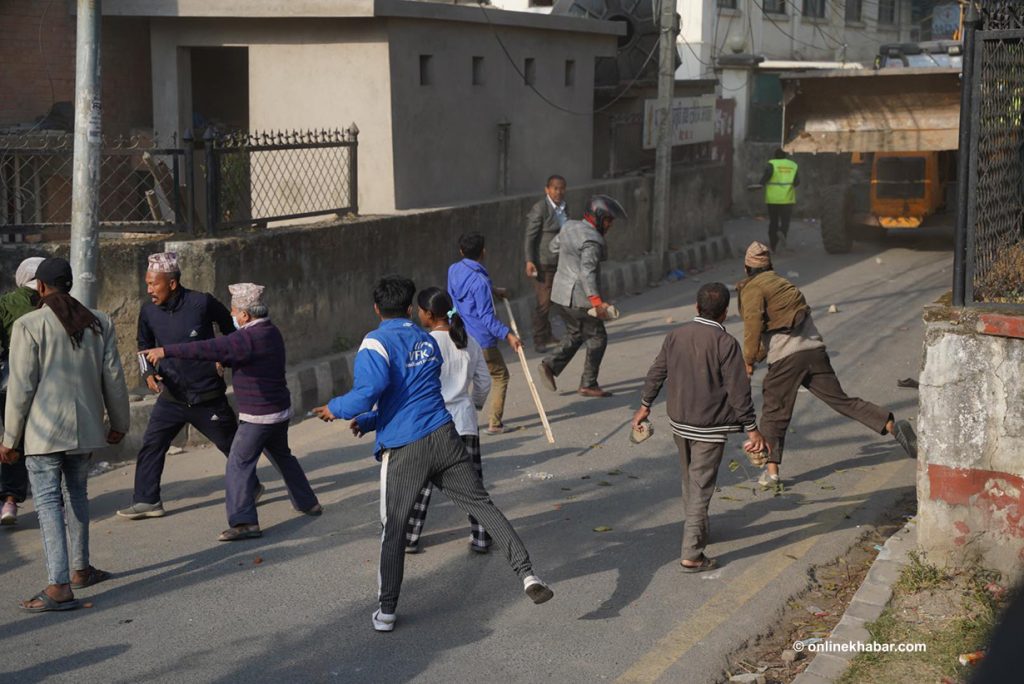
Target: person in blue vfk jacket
397,393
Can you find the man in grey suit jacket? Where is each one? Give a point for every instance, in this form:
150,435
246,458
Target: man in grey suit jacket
576,290
543,223
65,375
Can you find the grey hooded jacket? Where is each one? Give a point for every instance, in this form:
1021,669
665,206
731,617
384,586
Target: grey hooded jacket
581,249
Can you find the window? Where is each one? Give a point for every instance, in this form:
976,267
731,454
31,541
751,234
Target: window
426,69
727,4
853,11
570,73
478,71
887,12
529,71
814,9
774,6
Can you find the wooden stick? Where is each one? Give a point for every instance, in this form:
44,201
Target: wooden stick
529,378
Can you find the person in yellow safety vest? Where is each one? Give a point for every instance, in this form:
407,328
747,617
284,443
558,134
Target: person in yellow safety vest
780,180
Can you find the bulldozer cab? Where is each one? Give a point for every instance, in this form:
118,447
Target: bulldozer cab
902,119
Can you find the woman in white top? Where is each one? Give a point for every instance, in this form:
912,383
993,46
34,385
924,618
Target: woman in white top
465,382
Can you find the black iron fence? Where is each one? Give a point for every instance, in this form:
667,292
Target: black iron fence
140,186
255,178
989,265
249,179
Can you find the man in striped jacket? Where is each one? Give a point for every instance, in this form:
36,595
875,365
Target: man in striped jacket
708,397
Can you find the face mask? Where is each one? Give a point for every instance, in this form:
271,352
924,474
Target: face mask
235,321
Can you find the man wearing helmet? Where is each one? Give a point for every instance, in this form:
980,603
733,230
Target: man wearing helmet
576,289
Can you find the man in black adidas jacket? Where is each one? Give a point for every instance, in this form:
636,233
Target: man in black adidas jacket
708,397
191,392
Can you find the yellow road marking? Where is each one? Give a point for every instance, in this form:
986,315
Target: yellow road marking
733,598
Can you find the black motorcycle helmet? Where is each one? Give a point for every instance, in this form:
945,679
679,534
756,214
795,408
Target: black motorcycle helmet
601,207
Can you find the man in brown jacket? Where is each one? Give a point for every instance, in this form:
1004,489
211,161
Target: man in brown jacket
777,328
708,397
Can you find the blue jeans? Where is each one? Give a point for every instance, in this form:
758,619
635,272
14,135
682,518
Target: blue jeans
47,473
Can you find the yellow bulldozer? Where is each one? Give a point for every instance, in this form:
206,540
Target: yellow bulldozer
899,122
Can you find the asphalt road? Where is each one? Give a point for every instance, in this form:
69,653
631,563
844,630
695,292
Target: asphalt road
295,606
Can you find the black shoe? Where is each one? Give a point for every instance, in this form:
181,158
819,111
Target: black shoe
907,438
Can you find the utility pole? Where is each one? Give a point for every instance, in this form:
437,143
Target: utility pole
663,157
85,183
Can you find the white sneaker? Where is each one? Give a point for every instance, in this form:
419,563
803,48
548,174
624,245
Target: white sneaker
537,590
768,480
382,622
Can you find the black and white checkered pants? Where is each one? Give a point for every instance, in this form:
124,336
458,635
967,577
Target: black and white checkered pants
439,458
478,535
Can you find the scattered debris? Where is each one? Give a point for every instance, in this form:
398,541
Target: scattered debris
828,487
733,466
675,275
258,560
100,468
175,450
585,477
790,656
792,274
670,320
604,483
602,528
539,476
972,658
127,621
833,309
87,604
566,489
878,260
908,382
615,472
749,678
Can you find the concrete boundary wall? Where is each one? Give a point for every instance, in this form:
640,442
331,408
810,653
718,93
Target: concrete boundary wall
970,474
314,382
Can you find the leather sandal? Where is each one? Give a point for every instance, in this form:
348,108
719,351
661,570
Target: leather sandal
92,576
240,532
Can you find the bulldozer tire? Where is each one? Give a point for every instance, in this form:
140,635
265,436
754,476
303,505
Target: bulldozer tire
835,234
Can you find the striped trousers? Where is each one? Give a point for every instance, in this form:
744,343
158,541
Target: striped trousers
441,459
414,528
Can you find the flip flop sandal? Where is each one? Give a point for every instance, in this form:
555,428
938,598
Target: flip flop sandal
237,534
48,604
705,564
93,576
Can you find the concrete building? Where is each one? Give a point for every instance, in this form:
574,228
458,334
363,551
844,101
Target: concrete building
429,85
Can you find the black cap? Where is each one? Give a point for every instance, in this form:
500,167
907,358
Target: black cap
55,272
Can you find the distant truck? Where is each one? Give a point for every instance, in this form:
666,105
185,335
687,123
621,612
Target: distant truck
899,121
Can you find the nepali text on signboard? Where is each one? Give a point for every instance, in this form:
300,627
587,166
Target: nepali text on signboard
693,121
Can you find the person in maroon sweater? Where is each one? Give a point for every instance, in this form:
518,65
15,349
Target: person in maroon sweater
255,353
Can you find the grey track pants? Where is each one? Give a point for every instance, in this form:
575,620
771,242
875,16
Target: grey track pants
439,458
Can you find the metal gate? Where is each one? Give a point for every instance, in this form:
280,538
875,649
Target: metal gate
989,265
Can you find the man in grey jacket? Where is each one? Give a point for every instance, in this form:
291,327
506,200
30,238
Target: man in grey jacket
576,289
543,223
65,377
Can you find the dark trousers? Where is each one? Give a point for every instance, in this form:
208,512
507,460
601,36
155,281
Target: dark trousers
439,458
813,370
13,476
779,216
699,462
240,476
418,517
580,329
215,419
542,314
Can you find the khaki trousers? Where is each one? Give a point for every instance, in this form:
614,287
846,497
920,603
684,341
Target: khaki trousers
699,462
499,385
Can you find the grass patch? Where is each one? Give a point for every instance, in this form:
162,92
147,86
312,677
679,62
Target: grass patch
950,612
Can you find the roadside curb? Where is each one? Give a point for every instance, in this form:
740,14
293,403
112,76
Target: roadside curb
314,382
866,606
